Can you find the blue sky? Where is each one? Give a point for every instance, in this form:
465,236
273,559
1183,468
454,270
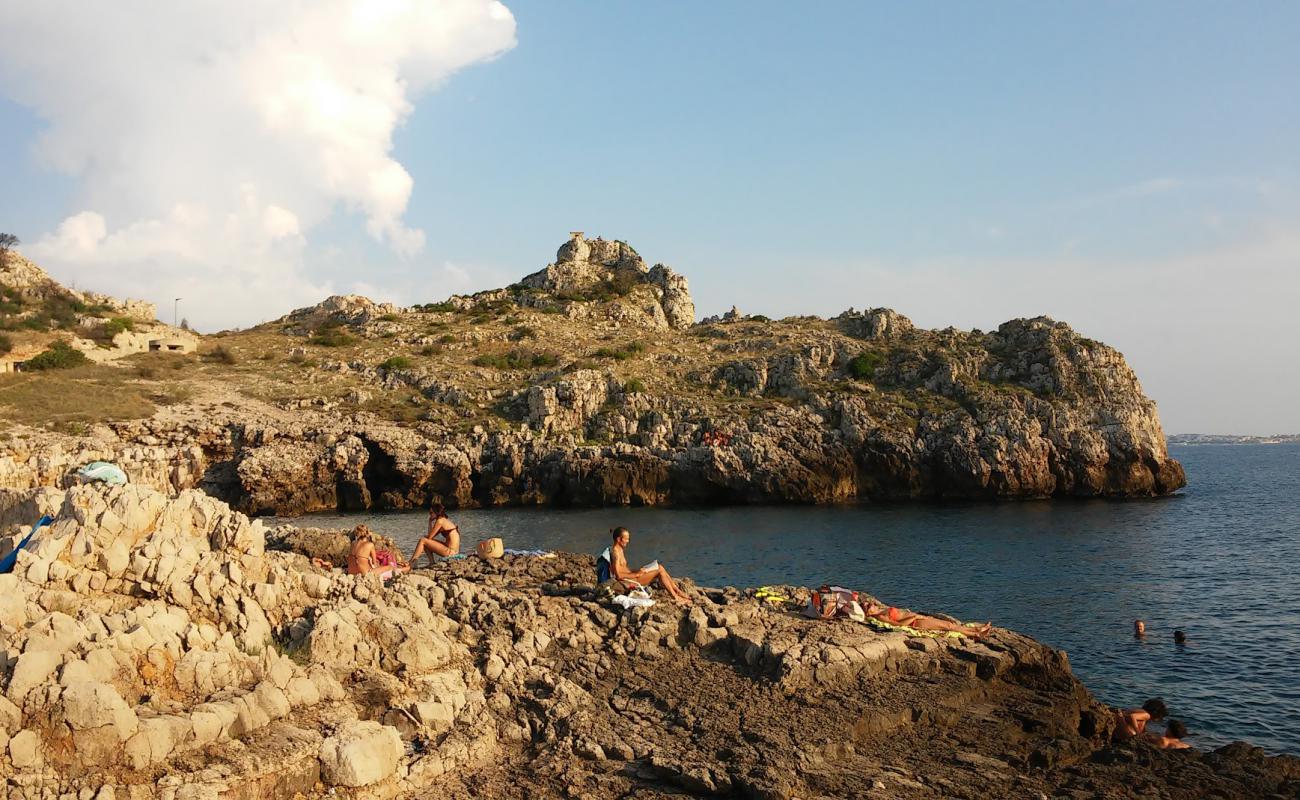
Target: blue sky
1128,168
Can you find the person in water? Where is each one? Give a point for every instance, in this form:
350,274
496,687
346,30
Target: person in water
1139,629
922,622
1180,637
1133,721
655,573
1173,736
442,538
364,559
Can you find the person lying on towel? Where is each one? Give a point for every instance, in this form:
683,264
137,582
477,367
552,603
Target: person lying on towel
910,619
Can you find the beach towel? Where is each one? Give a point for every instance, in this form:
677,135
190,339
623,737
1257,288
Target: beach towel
637,598
881,625
530,553
104,472
602,566
7,563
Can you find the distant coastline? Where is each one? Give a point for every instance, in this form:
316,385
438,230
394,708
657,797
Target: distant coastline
1215,438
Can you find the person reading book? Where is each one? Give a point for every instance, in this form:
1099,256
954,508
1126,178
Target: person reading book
651,573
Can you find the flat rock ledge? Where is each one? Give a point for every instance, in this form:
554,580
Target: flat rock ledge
154,647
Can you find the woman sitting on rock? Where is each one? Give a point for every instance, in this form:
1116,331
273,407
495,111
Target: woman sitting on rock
440,527
1133,721
364,559
922,622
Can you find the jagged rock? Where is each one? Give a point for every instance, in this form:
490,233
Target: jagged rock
656,298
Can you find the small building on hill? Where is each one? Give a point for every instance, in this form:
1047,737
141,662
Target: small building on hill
173,344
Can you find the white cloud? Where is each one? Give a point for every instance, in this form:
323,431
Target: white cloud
210,138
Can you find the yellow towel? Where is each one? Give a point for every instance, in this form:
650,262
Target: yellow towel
889,626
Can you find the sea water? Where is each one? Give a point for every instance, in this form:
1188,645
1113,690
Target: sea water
1219,561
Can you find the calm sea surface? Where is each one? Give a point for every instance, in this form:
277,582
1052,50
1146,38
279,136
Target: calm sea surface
1220,561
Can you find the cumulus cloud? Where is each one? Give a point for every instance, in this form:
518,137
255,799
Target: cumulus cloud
210,138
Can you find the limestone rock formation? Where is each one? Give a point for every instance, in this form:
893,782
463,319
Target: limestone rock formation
654,297
162,651
350,309
587,384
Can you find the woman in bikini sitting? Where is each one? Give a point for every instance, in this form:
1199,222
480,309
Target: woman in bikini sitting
911,619
1133,721
364,559
440,527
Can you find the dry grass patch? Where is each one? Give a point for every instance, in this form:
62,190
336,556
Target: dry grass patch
84,394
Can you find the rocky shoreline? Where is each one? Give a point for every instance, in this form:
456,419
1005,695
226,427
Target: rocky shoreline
589,383
155,646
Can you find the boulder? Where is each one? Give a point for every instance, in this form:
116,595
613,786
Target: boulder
360,754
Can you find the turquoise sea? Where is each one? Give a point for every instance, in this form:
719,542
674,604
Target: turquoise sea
1220,561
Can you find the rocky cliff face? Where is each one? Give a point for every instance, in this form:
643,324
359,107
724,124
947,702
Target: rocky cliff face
587,384
155,647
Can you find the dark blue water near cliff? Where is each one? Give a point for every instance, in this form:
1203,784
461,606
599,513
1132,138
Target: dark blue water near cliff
1220,561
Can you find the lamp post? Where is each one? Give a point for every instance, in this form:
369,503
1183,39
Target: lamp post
176,304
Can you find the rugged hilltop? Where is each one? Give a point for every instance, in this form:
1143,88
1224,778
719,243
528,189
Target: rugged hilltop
167,647
36,312
588,382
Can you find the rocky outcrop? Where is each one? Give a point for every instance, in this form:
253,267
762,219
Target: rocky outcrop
520,396
654,297
32,284
155,648
339,309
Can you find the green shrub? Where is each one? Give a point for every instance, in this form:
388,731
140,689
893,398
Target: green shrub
11,300
330,336
446,338
523,332
221,355
621,353
6,344
389,318
863,365
438,307
623,282
759,318
431,350
59,355
396,362
708,332
118,324
517,359
634,386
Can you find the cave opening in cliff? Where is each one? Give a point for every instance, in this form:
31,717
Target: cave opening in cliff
385,484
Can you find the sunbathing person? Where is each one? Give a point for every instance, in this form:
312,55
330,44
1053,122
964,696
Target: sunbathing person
440,528
618,568
1173,737
1133,721
364,559
922,622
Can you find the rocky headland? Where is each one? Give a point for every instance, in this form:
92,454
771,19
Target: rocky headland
159,641
590,383
161,646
